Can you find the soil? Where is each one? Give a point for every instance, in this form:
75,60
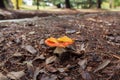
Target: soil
95,54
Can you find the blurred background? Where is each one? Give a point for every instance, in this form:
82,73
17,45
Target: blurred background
55,4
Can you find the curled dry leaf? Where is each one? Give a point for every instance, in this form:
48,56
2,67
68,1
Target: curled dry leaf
2,63
23,37
102,65
42,57
30,49
41,41
91,19
51,59
1,39
32,32
1,34
117,39
61,69
86,76
16,75
51,69
17,40
48,77
68,78
70,31
82,48
2,77
17,55
83,63
36,73
30,68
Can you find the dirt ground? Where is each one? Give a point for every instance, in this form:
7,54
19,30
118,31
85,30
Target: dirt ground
95,54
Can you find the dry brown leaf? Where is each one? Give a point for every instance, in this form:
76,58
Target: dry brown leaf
42,57
86,76
30,68
32,32
30,49
51,69
82,48
83,63
48,77
42,41
16,75
61,69
17,55
3,77
51,59
91,19
37,71
102,65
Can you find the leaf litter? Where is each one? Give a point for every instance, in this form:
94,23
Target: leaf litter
22,45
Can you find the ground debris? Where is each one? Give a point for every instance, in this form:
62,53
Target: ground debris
51,59
102,65
15,75
30,49
94,55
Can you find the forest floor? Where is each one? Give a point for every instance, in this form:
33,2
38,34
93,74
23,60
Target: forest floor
94,55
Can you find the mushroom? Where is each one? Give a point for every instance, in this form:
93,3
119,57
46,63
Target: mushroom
60,43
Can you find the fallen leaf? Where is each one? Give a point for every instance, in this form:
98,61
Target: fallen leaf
42,57
70,31
37,71
30,68
61,69
30,49
48,77
16,75
117,39
59,50
86,76
3,77
102,65
32,32
41,41
17,40
68,78
1,39
17,55
23,37
82,48
83,63
1,34
91,19
51,59
51,69
78,33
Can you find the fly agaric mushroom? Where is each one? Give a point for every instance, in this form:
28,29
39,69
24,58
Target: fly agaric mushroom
59,43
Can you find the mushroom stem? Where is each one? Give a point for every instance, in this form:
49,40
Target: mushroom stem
59,50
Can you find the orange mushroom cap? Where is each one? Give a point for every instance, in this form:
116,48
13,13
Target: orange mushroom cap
52,42
60,42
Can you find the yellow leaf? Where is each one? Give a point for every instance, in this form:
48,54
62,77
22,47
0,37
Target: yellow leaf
65,39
